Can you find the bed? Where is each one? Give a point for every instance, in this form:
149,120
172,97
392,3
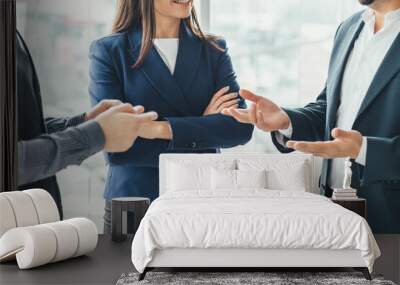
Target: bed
248,211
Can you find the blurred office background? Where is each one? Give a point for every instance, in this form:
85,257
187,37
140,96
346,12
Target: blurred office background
280,49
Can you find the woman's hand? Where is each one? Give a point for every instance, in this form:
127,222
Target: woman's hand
156,130
221,100
100,108
162,129
121,125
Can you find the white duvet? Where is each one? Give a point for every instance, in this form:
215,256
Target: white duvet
250,219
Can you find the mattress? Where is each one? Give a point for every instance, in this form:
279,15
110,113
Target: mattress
251,219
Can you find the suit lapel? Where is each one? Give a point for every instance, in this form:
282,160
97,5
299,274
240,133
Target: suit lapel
345,50
188,60
158,74
388,69
162,80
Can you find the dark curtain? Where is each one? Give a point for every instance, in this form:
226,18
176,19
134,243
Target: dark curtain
8,100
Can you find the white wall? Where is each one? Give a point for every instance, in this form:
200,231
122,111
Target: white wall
59,34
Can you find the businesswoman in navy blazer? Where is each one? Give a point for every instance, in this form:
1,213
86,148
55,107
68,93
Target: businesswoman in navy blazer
188,98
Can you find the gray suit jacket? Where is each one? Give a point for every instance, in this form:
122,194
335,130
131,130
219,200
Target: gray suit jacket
45,146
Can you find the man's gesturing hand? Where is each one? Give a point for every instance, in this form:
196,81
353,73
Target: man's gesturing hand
121,125
262,113
345,144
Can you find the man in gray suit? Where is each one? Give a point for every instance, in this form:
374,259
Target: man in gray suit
47,145
357,116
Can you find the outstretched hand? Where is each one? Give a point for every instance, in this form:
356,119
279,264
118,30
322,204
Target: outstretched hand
345,144
262,112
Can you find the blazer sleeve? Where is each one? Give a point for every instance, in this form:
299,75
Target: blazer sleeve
213,131
308,123
382,161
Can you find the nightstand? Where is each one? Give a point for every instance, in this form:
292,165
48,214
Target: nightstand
137,205
358,205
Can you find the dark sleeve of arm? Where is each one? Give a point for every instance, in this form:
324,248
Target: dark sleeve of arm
60,124
383,161
45,156
308,123
214,131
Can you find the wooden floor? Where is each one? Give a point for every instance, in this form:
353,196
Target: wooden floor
389,263
103,266
106,264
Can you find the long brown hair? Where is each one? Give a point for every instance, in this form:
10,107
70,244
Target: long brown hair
141,14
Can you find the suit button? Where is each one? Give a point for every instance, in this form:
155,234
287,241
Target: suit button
194,145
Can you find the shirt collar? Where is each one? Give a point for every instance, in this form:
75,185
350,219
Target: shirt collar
390,18
368,15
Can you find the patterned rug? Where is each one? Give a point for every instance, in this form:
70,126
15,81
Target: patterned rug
237,278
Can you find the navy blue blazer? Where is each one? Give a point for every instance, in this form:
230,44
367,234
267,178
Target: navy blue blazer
378,119
181,98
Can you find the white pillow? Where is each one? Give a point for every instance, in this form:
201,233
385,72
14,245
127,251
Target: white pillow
286,173
254,179
231,180
184,175
223,179
293,180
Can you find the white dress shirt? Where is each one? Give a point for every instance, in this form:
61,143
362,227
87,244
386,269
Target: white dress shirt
367,56
168,50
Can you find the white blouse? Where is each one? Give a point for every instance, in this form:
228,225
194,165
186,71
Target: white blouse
168,50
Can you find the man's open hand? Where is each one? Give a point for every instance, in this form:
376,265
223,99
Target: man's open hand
345,144
262,112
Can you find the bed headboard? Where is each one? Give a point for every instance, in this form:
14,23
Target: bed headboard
214,159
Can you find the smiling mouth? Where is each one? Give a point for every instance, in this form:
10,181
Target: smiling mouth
182,2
